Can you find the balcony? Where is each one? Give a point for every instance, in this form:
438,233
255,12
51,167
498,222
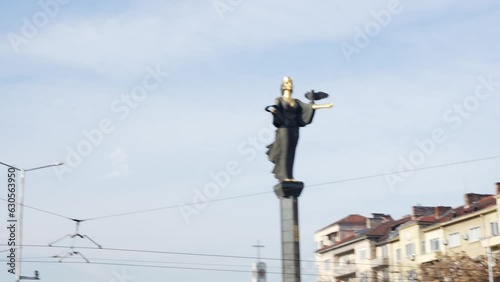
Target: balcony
493,241
379,262
344,269
429,257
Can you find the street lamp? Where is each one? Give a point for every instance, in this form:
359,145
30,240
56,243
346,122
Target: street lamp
21,210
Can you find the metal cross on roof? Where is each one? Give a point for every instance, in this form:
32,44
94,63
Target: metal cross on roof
258,247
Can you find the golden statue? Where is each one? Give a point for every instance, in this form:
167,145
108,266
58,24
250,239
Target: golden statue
288,115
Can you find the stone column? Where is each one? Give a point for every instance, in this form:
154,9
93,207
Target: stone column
288,194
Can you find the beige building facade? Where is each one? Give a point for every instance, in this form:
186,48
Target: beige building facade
378,248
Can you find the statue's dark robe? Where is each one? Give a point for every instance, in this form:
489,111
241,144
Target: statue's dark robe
287,120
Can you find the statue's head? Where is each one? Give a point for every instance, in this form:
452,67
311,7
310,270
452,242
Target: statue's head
287,84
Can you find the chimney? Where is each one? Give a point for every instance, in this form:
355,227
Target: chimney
419,211
377,219
471,198
440,210
498,188
382,216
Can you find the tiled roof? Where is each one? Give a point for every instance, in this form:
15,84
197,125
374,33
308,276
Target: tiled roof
384,230
482,204
350,219
381,232
428,219
389,228
347,239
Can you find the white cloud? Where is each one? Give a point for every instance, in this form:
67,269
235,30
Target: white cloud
119,160
119,155
127,42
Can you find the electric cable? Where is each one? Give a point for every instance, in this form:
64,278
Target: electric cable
263,193
312,185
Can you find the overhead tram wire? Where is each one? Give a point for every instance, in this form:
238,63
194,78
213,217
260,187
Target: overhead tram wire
267,192
40,210
159,262
198,268
221,270
207,255
171,267
191,268
176,206
155,252
312,185
157,266
403,171
126,250
135,212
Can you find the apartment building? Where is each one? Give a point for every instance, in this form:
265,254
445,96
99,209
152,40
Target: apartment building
405,245
468,228
347,247
378,248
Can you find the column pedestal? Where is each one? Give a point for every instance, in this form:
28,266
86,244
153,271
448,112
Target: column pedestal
288,193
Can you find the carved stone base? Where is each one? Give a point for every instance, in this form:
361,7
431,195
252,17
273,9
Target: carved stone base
288,189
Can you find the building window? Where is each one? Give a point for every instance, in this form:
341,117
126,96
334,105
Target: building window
474,234
494,229
326,264
332,237
345,260
385,275
362,254
412,276
385,252
410,250
364,277
398,255
435,245
454,240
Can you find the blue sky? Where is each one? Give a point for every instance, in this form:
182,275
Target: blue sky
222,73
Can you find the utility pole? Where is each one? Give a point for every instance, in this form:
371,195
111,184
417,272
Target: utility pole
490,258
20,234
20,208
490,261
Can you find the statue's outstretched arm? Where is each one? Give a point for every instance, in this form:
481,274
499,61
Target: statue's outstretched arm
322,106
